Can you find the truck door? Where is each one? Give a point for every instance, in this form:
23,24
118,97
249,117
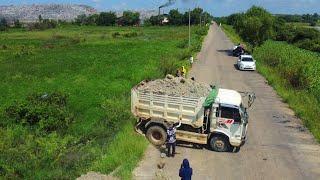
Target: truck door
230,119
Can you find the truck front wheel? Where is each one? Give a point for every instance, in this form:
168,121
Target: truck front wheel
156,135
219,144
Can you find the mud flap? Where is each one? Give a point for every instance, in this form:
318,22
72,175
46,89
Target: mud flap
139,126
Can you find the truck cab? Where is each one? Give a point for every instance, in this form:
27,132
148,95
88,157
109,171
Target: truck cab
229,121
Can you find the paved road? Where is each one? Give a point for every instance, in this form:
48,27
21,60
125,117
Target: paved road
278,146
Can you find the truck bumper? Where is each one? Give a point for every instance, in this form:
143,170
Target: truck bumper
236,142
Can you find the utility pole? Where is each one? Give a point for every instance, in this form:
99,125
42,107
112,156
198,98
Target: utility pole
200,19
189,29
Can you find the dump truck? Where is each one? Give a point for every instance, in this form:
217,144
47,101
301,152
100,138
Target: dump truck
219,120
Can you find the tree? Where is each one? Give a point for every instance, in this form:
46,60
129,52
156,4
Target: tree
92,19
206,18
255,26
106,19
155,20
175,17
81,19
130,18
3,24
40,18
196,15
17,23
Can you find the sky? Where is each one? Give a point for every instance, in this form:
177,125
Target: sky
215,7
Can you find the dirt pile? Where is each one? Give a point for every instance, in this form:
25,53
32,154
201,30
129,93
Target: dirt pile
175,86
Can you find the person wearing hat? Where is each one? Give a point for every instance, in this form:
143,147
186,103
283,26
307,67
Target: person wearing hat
171,139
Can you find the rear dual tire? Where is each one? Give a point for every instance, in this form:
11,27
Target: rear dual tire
156,135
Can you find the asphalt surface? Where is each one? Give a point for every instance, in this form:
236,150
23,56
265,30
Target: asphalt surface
278,145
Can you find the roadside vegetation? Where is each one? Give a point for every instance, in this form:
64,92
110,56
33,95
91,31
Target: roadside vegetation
65,91
292,71
294,74
257,25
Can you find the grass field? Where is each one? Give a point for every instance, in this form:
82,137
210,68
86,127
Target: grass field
95,67
294,74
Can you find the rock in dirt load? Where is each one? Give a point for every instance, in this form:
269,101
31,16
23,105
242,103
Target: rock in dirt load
175,86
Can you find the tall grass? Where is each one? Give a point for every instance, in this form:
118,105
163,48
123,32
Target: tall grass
97,75
294,73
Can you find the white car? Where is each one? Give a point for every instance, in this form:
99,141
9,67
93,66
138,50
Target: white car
246,62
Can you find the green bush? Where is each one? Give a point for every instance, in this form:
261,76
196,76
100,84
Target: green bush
46,111
202,31
167,66
115,34
184,54
183,44
130,34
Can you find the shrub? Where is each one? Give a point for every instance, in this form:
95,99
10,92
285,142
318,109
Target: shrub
25,51
58,36
183,44
4,47
201,31
184,54
115,34
167,66
130,34
46,111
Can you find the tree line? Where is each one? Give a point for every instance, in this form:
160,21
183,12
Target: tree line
197,16
312,19
257,25
130,18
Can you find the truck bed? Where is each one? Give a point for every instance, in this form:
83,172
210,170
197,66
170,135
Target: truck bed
148,105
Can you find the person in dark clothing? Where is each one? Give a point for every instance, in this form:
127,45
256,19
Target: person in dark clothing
171,140
185,171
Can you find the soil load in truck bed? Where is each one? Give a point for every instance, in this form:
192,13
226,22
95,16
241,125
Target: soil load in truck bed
175,86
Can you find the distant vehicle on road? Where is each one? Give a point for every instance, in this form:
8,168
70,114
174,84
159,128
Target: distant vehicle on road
246,62
238,50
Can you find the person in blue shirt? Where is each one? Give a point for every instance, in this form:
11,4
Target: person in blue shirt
185,171
171,139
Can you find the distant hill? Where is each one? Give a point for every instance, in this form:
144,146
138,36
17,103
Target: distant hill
30,13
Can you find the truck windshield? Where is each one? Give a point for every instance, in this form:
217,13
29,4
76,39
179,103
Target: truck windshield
230,113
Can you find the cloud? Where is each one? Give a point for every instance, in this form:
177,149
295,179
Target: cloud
120,6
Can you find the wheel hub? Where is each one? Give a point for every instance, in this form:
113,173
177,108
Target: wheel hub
219,144
156,136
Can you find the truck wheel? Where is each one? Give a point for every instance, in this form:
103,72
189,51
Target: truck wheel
219,144
156,135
